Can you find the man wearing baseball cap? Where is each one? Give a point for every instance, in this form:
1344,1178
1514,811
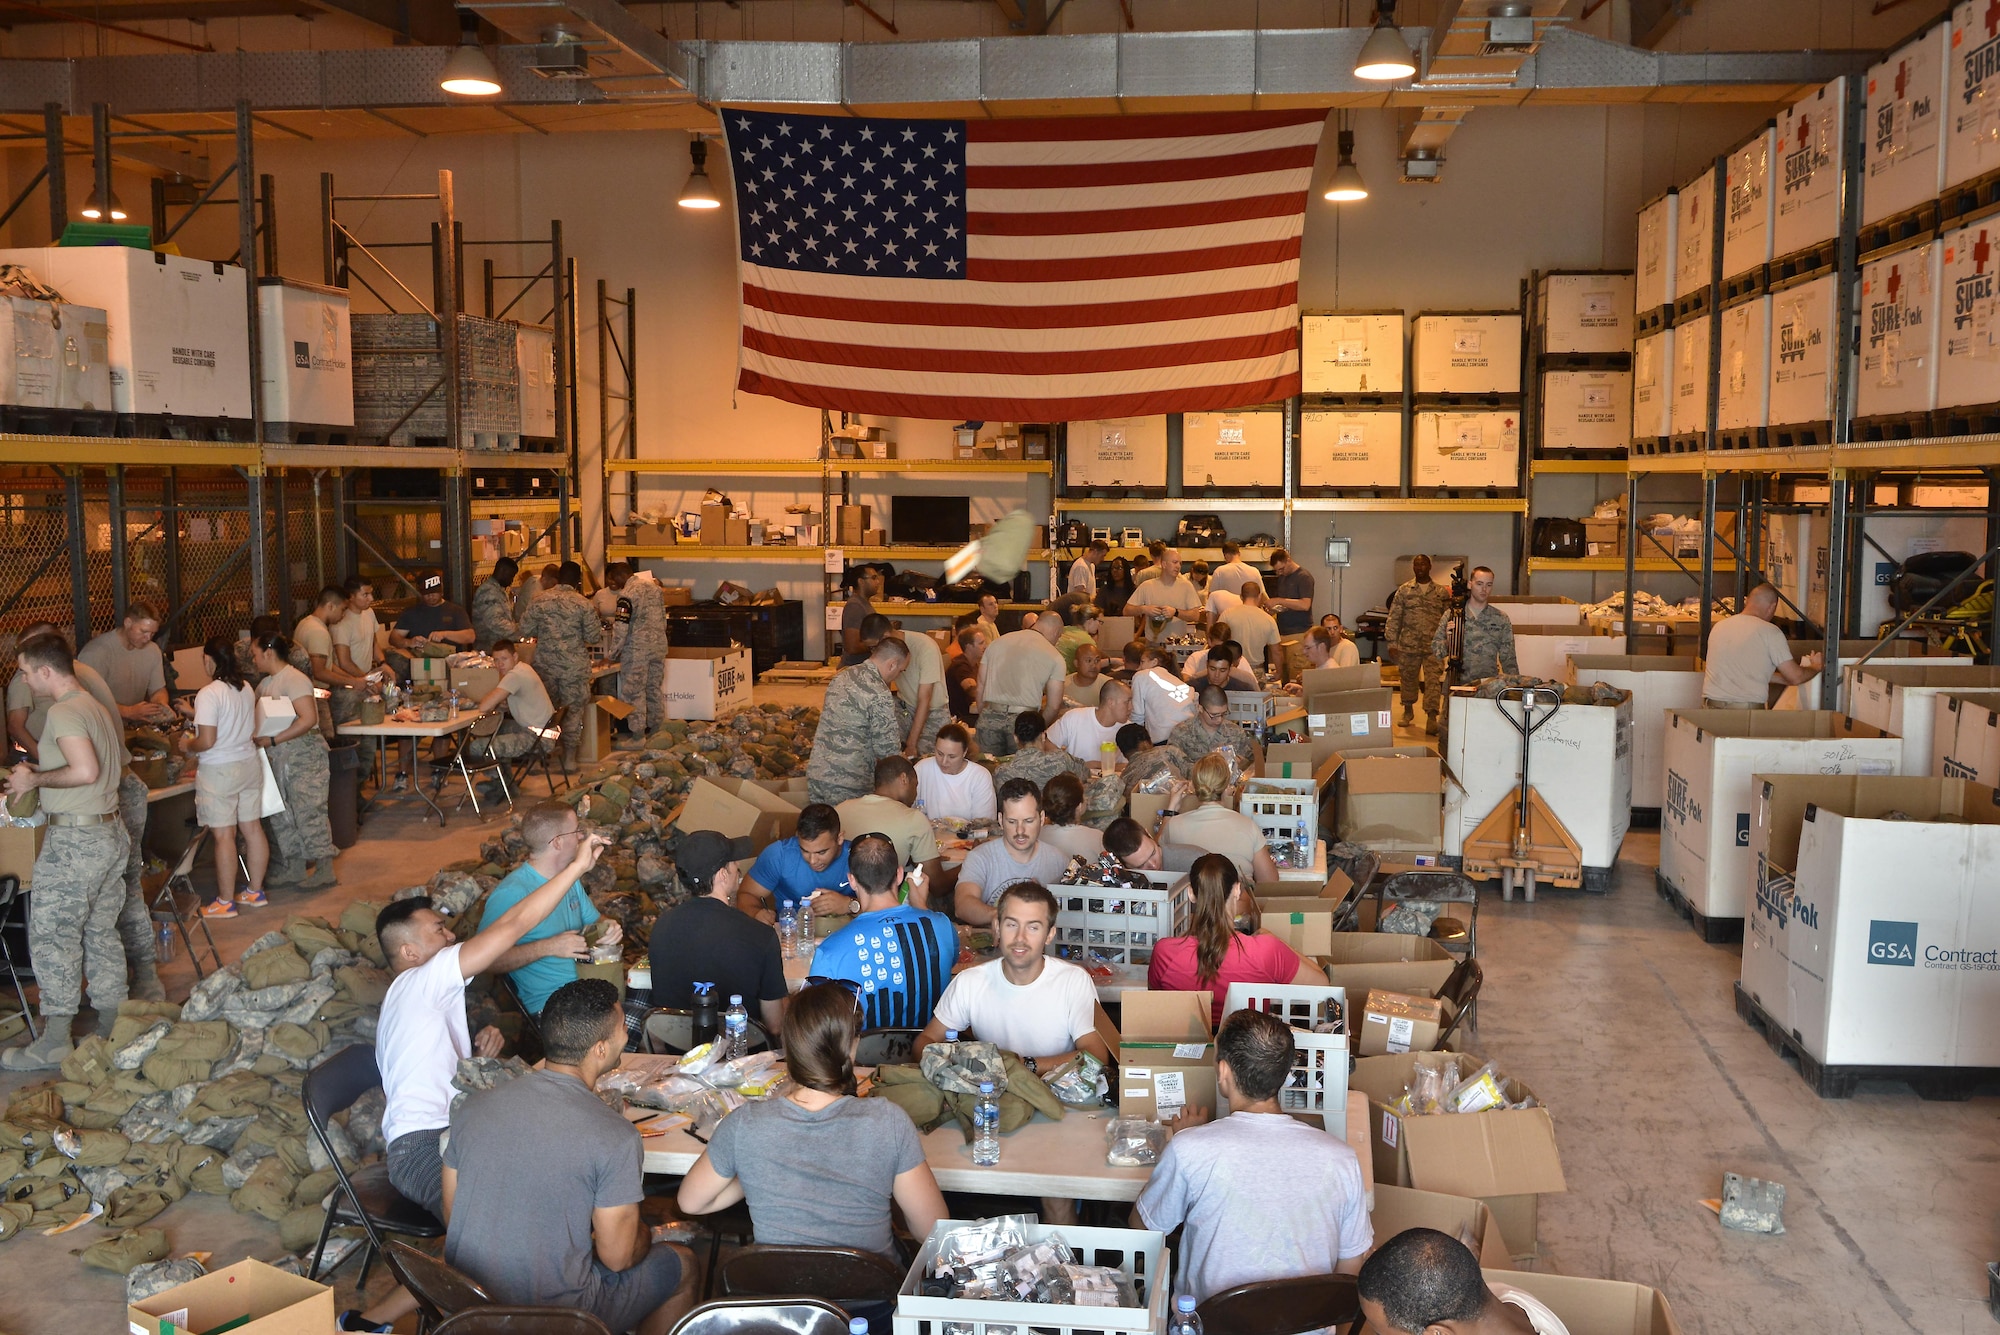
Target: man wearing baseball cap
422,629
707,940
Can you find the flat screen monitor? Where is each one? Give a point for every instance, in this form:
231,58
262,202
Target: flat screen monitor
930,521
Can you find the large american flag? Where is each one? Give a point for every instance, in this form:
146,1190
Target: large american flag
1021,270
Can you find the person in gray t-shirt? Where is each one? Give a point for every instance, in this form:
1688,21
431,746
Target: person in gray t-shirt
1263,1196
1017,855
542,1182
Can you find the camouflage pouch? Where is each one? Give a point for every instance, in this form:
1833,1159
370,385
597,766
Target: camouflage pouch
299,1229
126,1252
239,1095
960,1068
274,968
130,1206
267,1193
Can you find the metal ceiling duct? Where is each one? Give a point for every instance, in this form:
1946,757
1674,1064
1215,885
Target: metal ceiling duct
1478,47
597,40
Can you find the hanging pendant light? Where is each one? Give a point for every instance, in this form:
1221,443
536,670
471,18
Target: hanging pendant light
698,193
1385,55
93,207
1345,186
469,72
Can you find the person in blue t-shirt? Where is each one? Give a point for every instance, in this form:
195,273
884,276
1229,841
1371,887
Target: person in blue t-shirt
812,862
899,956
545,957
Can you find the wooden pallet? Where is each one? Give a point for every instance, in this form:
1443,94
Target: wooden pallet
1800,435
1740,438
1949,1084
1754,282
1691,442
1373,401
1645,818
1899,229
1715,931
1468,402
803,674
1649,446
1969,420
1892,426
1959,203
1653,321
1388,490
1809,262
1586,361
57,421
1600,454
1690,305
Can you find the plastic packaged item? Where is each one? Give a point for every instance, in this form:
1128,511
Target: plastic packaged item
1135,1142
1478,1092
1089,1286
1078,1081
987,1240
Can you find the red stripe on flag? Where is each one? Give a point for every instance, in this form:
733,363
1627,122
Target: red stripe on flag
1083,175
981,361
1072,128
944,408
1088,267
1020,317
1059,223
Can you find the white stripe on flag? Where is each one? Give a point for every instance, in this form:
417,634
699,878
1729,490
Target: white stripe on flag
1151,194
1086,292
1086,338
1160,241
1058,152
973,384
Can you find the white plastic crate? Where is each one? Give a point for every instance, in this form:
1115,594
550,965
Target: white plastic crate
1250,708
1319,1072
1140,1253
1278,805
1120,925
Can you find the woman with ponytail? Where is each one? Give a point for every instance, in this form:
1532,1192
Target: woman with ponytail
1223,945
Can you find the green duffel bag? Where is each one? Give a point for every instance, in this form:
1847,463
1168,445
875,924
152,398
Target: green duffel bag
88,1064
94,1149
300,1042
132,1205
239,1095
14,1218
311,935
126,1252
200,1166
274,967
299,1229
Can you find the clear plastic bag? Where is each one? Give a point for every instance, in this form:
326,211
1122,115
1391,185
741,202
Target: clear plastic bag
1135,1143
987,1240
1028,1268
1481,1090
1087,1286
1429,1085
1079,1081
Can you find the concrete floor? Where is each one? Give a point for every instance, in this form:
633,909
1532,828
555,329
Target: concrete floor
1617,1015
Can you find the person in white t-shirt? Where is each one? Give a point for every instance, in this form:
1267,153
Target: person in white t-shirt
229,779
1083,570
1422,1281
1254,628
949,784
1746,653
1234,572
1085,733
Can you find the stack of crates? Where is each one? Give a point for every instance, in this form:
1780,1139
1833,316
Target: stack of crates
397,359
1119,924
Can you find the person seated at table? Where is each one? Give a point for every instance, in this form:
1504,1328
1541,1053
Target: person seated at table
1144,758
1214,828
811,865
889,811
1036,758
1261,1194
1223,945
818,1166
426,625
1423,1282
1017,855
1222,665
1196,663
526,699
546,955
1081,687
543,1219
706,940
1127,840
1062,802
950,785
899,955
1089,734
1211,729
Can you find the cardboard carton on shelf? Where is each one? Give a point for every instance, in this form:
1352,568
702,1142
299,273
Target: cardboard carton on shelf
714,524
652,535
875,537
851,523
1166,1053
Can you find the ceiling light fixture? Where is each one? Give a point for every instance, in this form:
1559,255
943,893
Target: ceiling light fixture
1345,186
93,208
469,72
1385,55
698,193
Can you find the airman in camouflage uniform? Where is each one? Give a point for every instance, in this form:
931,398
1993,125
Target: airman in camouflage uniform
861,722
1196,738
1415,612
135,920
1037,762
302,830
642,658
564,627
493,606
1488,640
1145,768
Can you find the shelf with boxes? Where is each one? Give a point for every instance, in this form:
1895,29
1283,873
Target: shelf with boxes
1556,564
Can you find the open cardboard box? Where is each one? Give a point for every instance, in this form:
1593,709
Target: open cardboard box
705,683
1302,921
738,809
608,713
1347,708
1587,1306
1301,760
1505,1158
248,1298
1391,799
20,845
1166,1053
1399,1209
1364,961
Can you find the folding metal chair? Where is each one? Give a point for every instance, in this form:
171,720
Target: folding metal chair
10,895
167,903
441,1292
366,1196
755,1316
1283,1306
545,752
464,761
885,1047
523,1321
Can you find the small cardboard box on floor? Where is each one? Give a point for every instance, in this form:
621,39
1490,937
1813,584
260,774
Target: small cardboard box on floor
606,713
1712,756
738,808
1504,1157
1897,698
1965,737
1591,1306
1657,684
1391,799
1398,1209
1166,1054
1394,1022
706,683
248,1298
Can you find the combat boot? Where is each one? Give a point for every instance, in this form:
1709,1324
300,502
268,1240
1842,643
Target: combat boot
47,1052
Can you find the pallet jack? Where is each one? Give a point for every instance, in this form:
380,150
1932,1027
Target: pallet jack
1521,840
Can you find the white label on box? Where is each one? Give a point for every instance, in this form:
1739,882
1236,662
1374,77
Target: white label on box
1466,340
1190,1051
1357,723
1471,435
1597,396
1316,722
1878,767
1391,1129
836,561
178,1317
1401,1029
1350,350
833,611
1351,435
1596,305
1169,1091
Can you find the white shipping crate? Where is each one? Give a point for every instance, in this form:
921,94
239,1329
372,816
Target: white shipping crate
1657,685
1969,319
1746,222
1278,805
1972,100
1777,813
1317,1086
1900,536
1659,257
1897,698
1121,924
1140,1253
1743,393
1653,385
1118,452
1694,234
1965,736
1802,351
307,361
1586,410
1903,141
1895,931
1586,312
1811,147
179,329
1351,352
1899,332
1472,352
1243,449
1711,756
1692,342
1350,448
1538,610
1545,651
705,683
1467,449
536,349
53,356
1580,762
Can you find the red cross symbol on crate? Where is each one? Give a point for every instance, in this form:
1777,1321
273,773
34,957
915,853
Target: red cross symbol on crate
1981,252
1895,283
1992,17
1902,78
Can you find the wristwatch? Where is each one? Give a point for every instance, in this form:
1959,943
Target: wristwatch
1032,1066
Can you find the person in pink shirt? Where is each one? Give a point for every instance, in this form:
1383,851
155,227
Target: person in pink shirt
1224,945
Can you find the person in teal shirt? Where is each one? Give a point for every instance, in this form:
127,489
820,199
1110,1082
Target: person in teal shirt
545,957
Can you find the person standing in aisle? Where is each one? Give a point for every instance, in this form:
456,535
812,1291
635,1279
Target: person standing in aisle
1233,573
528,586
298,759
1255,629
493,605
642,662
1486,636
1415,612
130,662
314,635
1169,594
1083,570
989,617
1746,653
79,873
1022,672
229,782
961,671
565,627
355,657
1288,592
860,605
921,688
860,722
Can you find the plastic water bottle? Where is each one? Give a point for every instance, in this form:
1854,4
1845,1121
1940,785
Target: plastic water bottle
1302,841
163,951
736,1027
1184,1321
788,933
805,926
986,1127
951,1035
858,1326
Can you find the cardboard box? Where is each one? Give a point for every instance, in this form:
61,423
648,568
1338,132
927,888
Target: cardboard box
1657,684
188,669
1303,921
610,712
714,525
1347,708
1712,756
875,537
1297,760
1540,610
1391,799
1146,808
1580,761
737,809
429,671
20,845
1504,1157
1395,962
676,595
474,683
1398,1022
1596,1306
706,683
1965,737
1398,1209
1897,699
851,524
1166,1053
1603,537
1545,651
653,535
248,1298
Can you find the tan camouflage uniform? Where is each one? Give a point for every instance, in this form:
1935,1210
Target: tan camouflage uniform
1415,612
